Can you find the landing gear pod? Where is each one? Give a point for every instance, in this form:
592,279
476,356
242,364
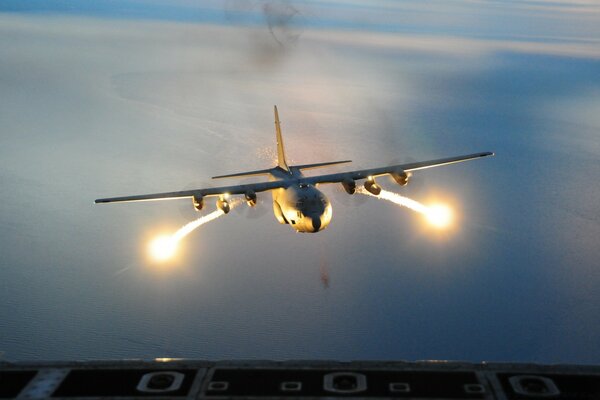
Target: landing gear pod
372,187
278,213
250,198
198,202
349,186
223,205
401,177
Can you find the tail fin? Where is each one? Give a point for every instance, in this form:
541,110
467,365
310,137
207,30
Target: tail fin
280,151
281,162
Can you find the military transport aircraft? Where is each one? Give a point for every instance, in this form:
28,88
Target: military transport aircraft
296,200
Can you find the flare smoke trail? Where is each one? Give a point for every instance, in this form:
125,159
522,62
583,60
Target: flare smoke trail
438,215
397,199
163,247
191,226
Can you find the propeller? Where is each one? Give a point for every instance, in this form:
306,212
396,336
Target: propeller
416,184
186,207
350,200
257,210
260,208
188,212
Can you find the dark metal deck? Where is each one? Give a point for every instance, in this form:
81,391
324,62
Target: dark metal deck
194,379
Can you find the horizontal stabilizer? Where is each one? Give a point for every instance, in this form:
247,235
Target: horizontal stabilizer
319,165
249,173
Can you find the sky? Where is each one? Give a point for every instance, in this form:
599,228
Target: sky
101,99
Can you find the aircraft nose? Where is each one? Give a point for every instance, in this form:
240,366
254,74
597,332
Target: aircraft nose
316,223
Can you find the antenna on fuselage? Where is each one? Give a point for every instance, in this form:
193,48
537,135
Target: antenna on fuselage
281,163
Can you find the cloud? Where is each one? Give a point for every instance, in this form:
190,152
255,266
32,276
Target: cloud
456,45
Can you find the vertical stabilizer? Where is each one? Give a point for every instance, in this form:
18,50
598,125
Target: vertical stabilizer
280,151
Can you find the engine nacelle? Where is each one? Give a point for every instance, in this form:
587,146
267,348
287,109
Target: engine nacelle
198,202
349,186
223,205
250,198
372,187
401,178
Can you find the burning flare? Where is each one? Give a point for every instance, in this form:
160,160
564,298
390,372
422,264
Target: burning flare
164,247
437,215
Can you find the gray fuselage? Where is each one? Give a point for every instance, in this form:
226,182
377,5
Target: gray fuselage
300,205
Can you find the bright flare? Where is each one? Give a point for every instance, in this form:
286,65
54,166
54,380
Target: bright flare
439,216
164,247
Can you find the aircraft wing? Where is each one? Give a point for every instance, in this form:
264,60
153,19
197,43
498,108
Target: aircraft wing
400,168
265,186
216,191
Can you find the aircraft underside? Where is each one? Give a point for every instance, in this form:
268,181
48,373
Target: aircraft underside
303,207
